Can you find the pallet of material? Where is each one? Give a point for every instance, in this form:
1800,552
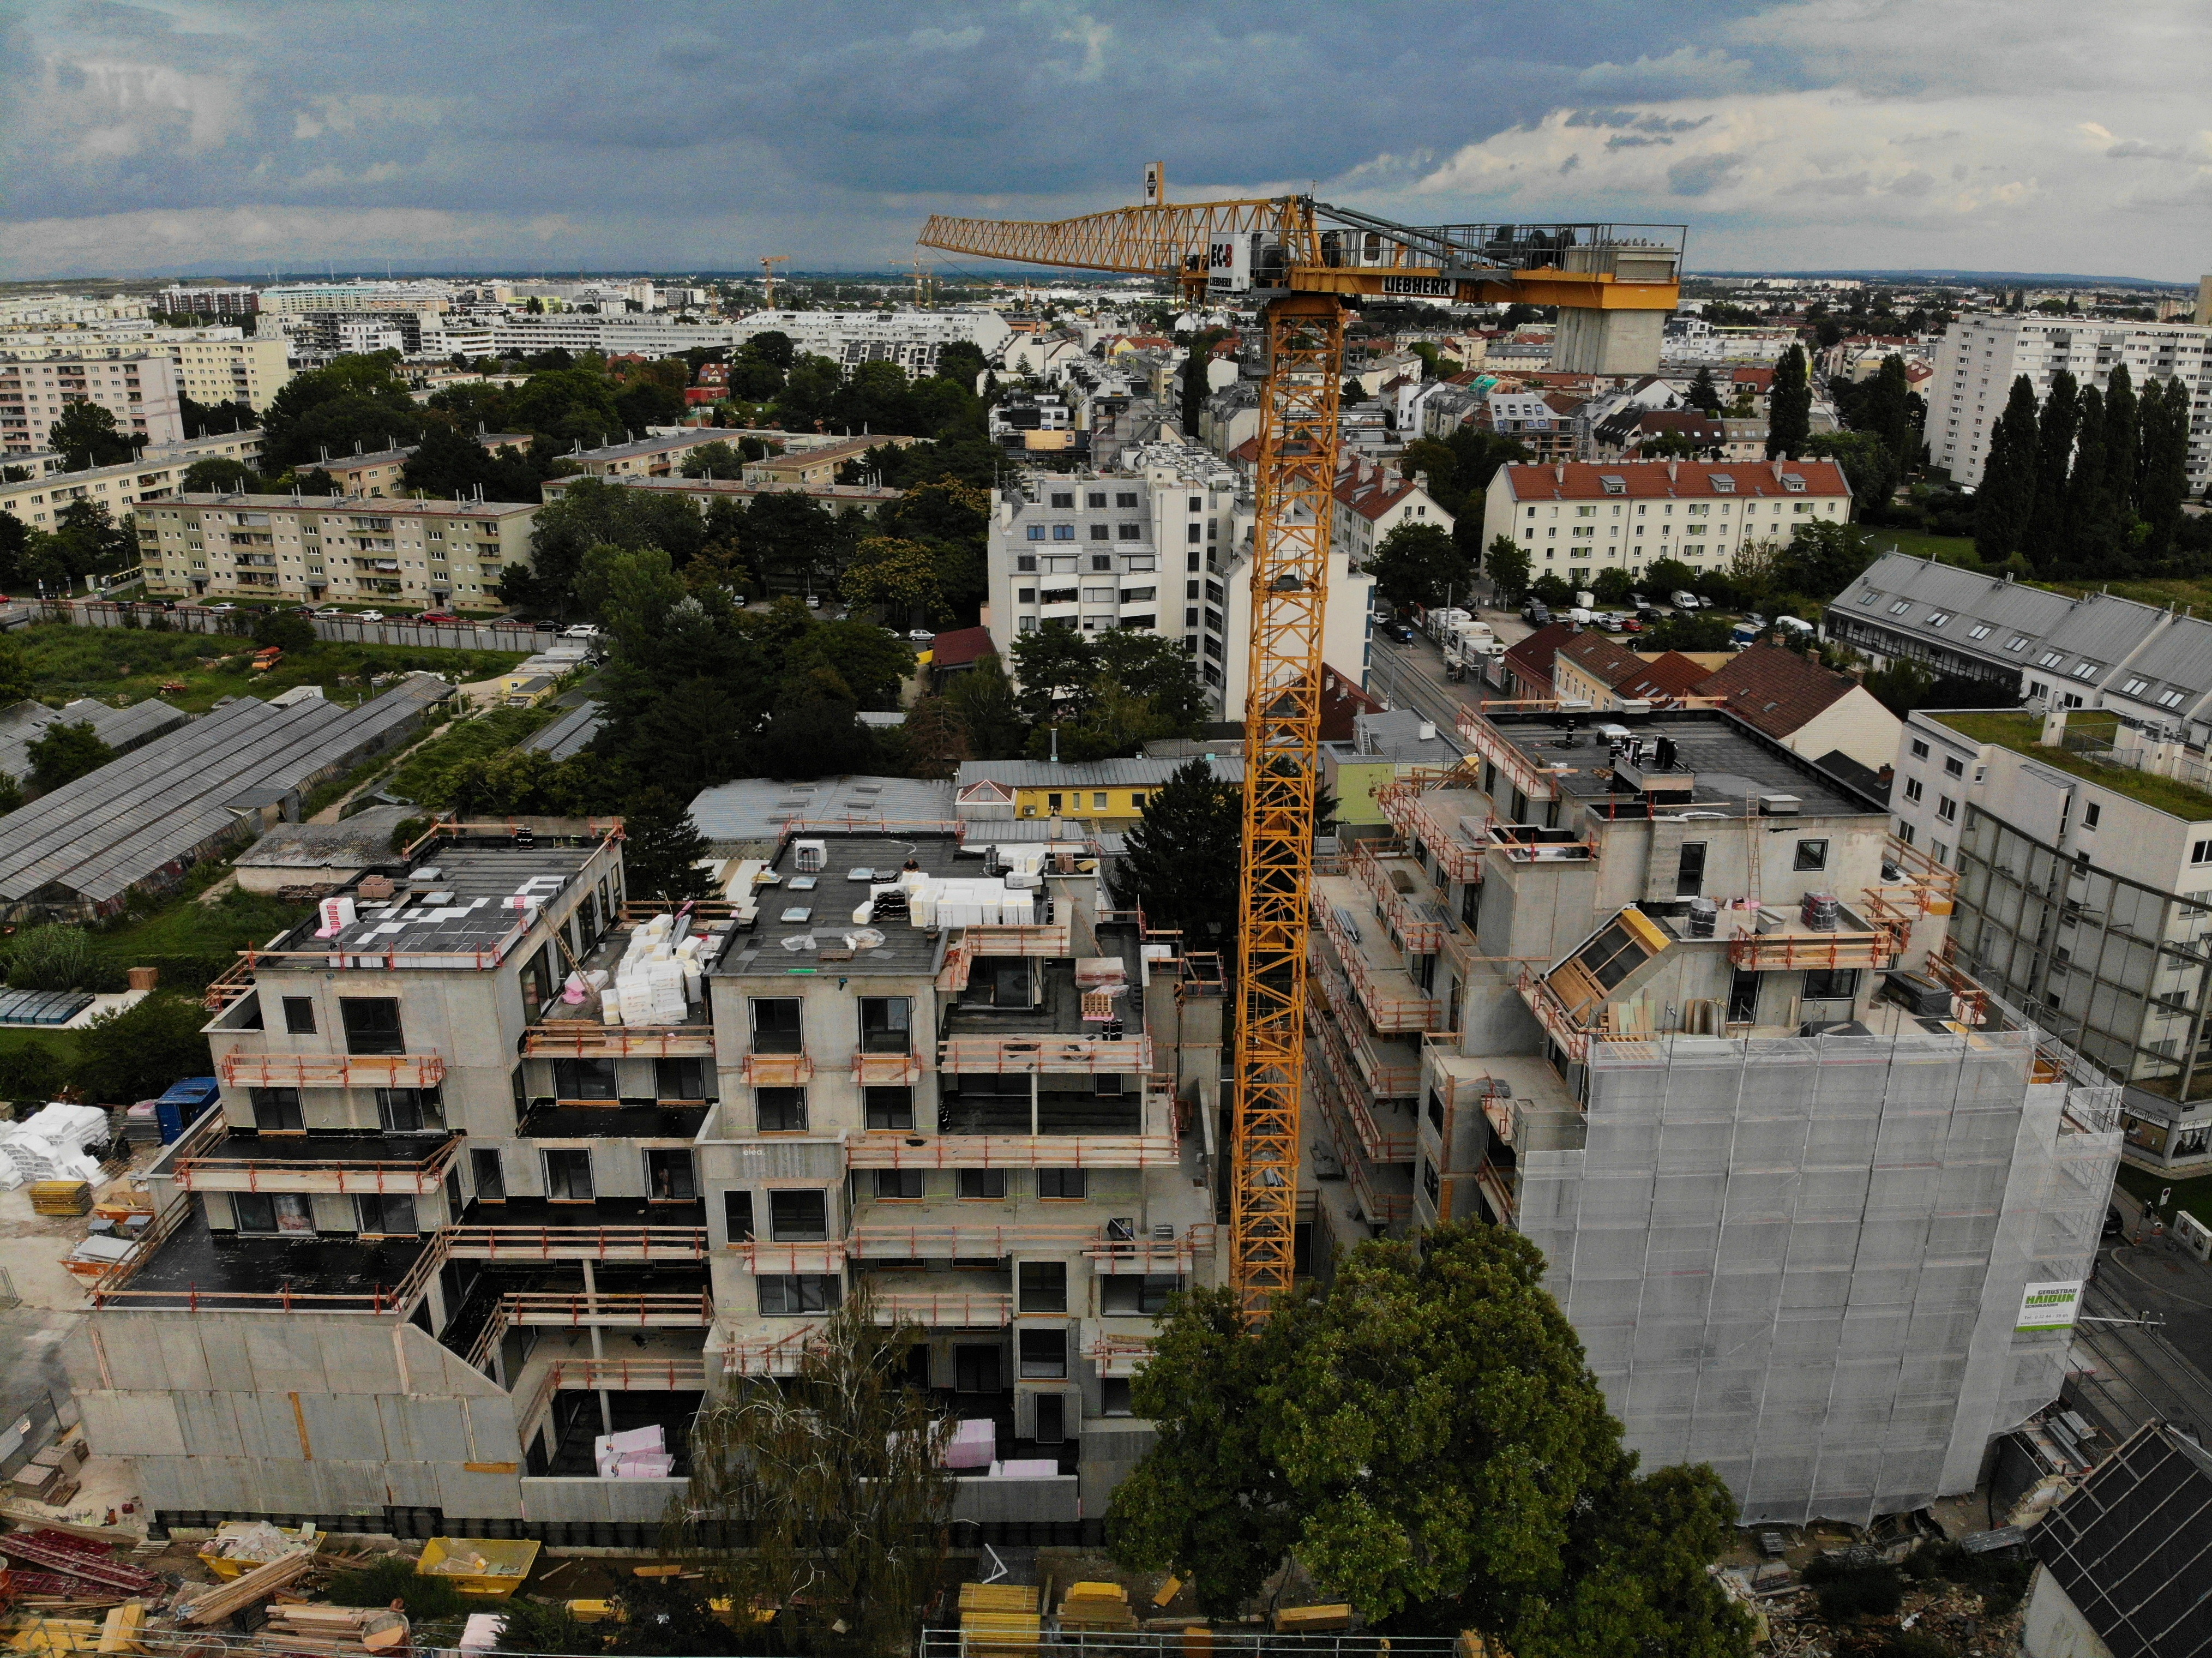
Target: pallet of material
58,1635
1003,1634
49,1549
313,1627
1096,1606
223,1600
66,1198
34,1480
998,1597
1312,1621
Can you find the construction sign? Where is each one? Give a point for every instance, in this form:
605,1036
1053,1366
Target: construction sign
2049,1306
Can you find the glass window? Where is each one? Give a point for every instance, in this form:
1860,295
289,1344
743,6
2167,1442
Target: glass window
670,1177
779,1110
300,1015
387,1214
889,1107
277,1110
410,1110
584,1079
1044,1354
372,1025
1830,984
1043,1287
983,1183
272,1211
783,1295
1114,1398
490,1175
799,1216
569,1175
1812,854
776,1024
1063,1183
899,1185
738,1216
679,1079
883,1024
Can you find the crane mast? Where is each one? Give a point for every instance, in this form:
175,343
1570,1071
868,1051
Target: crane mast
1614,283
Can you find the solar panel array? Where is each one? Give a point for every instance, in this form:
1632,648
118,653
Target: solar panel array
99,836
47,1007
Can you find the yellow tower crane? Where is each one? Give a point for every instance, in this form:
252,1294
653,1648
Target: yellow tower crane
1303,260
768,278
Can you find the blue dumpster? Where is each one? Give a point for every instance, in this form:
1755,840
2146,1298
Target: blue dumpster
184,1105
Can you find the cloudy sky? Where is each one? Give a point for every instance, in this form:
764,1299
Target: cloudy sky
243,136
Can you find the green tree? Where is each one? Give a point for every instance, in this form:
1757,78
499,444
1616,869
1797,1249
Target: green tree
1552,592
715,459
88,540
1790,405
2122,414
872,662
1507,566
2006,495
1692,632
355,400
662,847
899,578
1663,576
820,1493
17,682
2058,421
1056,666
87,435
63,753
936,738
218,476
1886,412
1702,393
1825,558
287,630
136,1052
11,793
2087,542
1182,859
989,714
2162,462
592,512
1427,1436
1419,564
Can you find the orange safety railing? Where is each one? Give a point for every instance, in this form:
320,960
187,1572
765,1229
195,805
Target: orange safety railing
1552,1013
979,941
1382,1208
1935,885
1501,1196
884,1241
609,1375
978,1309
1388,1008
332,1070
212,1172
584,1307
768,1355
776,1070
1146,1254
1403,804
1119,1356
226,986
823,1255
1049,1054
1370,860
1785,953
575,1242
888,1070
580,1038
1380,1144
1535,782
896,1149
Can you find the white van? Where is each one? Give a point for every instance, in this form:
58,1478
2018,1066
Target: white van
1682,600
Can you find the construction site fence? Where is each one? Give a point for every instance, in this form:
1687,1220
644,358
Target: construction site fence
1180,1643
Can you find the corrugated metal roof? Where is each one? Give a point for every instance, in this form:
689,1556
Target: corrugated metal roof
568,735
121,729
762,808
1140,772
1969,600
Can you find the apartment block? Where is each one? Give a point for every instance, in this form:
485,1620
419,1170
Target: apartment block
213,366
1163,544
329,550
139,388
504,1162
2082,841
1980,356
155,473
1672,1003
1577,517
181,300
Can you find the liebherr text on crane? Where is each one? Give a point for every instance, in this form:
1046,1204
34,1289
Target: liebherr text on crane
1303,260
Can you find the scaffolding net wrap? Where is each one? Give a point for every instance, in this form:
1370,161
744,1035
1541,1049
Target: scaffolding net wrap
1802,1260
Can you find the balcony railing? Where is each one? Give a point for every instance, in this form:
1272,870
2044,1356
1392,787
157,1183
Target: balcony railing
776,1070
1499,1194
978,1309
768,1256
588,1038
618,1376
886,1241
1119,1356
777,1355
623,1243
975,942
1787,952
214,1171
896,1151
887,1070
332,1070
1552,1013
1419,934
1115,1255
1381,1145
1048,1054
1388,1008
584,1308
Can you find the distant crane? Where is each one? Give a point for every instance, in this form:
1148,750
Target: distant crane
768,278
1615,286
921,280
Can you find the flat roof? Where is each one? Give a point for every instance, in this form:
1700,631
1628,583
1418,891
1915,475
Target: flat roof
359,505
763,808
468,908
1734,764
2020,731
907,951
195,1260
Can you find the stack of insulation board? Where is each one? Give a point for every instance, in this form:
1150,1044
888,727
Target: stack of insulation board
658,978
1096,1606
1001,1619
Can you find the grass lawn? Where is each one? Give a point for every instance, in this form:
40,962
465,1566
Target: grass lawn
124,665
2019,732
188,926
1950,549
2184,591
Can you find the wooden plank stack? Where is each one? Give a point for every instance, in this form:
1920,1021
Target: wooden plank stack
1312,1621
66,1198
223,1600
335,1631
1001,1619
1096,1606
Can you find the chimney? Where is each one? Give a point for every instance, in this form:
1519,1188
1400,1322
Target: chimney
1673,471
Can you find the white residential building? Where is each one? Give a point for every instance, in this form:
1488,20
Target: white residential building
1373,499
139,388
1977,360
186,301
294,299
214,365
1576,518
37,501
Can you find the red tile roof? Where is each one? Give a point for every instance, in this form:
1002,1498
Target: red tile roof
1777,691
1531,659
1577,480
960,647
1760,380
1600,658
1669,675
1370,490
1341,702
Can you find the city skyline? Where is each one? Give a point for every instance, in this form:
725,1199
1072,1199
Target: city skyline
206,137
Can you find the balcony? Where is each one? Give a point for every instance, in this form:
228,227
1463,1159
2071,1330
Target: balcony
1030,1054
1376,969
1402,893
589,1039
775,1069
828,1255
330,1070
278,1162
977,942
765,1355
584,1308
1119,1355
887,1070
1386,1133
1795,949
1450,821
1389,1067
964,1310
931,1238
896,1151
664,1244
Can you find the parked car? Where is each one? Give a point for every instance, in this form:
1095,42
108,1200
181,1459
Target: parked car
1399,631
368,615
222,607
813,601
328,613
581,630
437,616
1682,600
1647,616
1638,602
920,636
1794,625
1630,624
1536,615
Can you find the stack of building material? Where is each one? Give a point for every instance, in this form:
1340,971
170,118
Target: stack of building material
63,1198
1001,1619
223,1601
1818,911
974,1444
638,1454
59,1551
52,1146
336,1631
658,978
1312,1621
1096,1606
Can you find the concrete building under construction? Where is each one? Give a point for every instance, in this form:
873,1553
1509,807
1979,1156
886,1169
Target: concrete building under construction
1672,1003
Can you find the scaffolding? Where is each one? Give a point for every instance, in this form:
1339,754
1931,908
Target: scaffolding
1025,1054
974,943
1418,934
1406,803
332,1070
1388,1008
776,1070
1803,1260
959,1309
211,1172
888,1070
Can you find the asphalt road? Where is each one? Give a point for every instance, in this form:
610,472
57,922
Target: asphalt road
1412,675
2126,1374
